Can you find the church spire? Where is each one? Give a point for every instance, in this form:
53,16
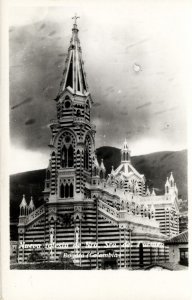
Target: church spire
74,75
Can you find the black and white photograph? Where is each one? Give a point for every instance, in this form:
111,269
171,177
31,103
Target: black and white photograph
98,163
98,130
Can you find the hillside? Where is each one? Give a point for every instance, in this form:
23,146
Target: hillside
156,167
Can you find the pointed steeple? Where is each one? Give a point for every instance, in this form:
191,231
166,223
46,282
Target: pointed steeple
171,179
167,183
125,152
153,192
31,206
112,170
23,207
23,202
74,74
96,161
102,165
167,186
147,193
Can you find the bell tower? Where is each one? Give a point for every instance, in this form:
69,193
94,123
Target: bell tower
73,136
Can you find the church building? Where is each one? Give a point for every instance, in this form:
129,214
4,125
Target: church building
95,219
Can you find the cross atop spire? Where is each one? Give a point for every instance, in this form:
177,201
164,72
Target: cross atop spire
75,19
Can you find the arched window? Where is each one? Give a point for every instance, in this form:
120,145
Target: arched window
62,191
64,157
71,190
67,152
94,171
86,158
66,190
70,156
78,113
22,211
101,174
67,104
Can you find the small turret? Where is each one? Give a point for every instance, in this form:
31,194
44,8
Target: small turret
147,193
31,206
112,170
171,180
95,166
167,186
125,152
23,207
102,170
153,192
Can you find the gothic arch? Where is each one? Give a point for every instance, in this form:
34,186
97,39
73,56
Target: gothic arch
66,149
66,188
58,137
89,135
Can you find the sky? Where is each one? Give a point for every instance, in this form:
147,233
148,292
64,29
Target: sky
138,67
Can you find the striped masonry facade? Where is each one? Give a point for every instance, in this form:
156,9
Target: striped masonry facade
93,230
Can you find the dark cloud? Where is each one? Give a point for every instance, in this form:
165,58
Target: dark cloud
40,78
52,33
129,132
144,105
42,26
124,113
30,121
110,88
142,128
59,61
27,100
165,110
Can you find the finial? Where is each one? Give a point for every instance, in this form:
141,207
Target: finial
75,20
153,192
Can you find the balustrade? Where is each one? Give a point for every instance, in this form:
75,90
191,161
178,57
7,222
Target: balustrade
35,214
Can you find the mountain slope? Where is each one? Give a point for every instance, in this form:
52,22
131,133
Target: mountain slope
156,167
